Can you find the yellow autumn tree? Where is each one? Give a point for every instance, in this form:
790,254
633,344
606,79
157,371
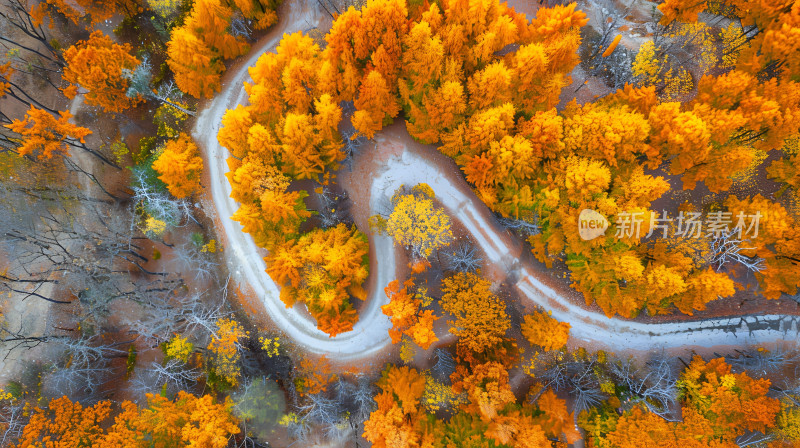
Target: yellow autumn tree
646,66
225,350
179,347
417,223
613,134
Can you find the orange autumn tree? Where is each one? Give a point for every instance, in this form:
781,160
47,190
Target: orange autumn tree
261,12
289,122
459,88
93,11
375,105
97,65
491,417
715,136
407,317
313,375
362,61
323,269
180,166
492,410
268,212
66,423
453,66
6,71
480,316
541,329
717,406
552,166
777,242
785,170
43,135
198,421
487,387
624,271
196,49
210,20
285,132
774,45
503,174
288,131
729,402
399,417
196,67
188,420
656,286
752,107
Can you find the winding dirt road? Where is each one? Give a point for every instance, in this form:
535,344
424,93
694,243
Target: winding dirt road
409,164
